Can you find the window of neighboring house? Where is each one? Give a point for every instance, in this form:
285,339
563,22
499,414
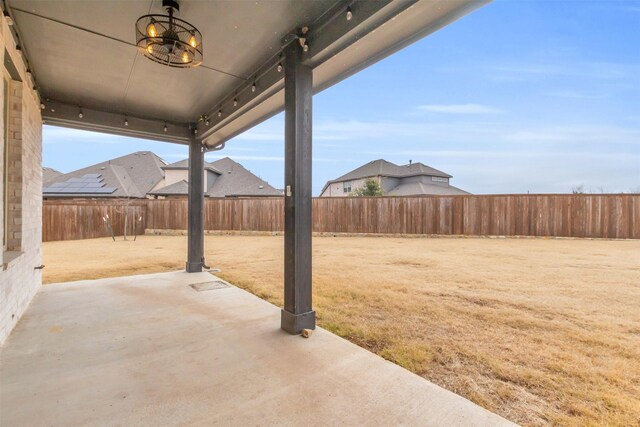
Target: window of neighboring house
439,179
5,160
346,187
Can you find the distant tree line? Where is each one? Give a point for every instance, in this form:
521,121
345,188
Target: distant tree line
581,189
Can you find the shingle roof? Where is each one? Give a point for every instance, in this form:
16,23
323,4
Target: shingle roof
421,169
176,189
180,164
133,175
136,174
184,164
235,180
382,167
48,174
420,188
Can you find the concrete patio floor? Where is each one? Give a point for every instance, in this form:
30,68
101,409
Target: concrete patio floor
151,350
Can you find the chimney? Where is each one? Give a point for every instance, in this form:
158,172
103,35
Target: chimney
409,163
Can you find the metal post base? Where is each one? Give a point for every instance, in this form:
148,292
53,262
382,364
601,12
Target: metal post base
295,323
194,267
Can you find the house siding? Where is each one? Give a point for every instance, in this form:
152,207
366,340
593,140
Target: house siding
19,280
171,176
389,184
425,180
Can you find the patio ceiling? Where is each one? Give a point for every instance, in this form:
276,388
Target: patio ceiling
83,55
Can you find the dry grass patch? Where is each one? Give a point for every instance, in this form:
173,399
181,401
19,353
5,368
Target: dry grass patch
540,331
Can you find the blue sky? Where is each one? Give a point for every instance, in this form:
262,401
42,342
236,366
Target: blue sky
518,96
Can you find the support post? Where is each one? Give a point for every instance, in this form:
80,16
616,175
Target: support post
195,251
298,78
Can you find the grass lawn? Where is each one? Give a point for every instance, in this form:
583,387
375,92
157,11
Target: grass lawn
539,331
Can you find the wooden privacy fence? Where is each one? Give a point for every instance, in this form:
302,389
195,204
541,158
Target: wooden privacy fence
593,216
251,214
597,216
79,219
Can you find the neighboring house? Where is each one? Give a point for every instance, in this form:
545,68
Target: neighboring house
130,176
48,174
175,181
143,175
223,178
405,180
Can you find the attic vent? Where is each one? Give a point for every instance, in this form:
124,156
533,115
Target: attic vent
261,186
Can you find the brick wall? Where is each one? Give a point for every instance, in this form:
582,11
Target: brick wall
19,280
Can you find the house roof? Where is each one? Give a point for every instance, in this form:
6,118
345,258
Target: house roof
180,164
233,180
383,167
48,174
176,189
236,181
420,188
184,164
133,175
422,169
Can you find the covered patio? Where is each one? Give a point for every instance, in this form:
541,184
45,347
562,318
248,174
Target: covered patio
178,348
186,348
254,60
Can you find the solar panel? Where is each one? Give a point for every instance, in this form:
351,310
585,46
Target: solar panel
92,183
106,190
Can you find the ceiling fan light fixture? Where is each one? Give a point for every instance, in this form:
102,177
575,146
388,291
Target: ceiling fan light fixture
168,40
